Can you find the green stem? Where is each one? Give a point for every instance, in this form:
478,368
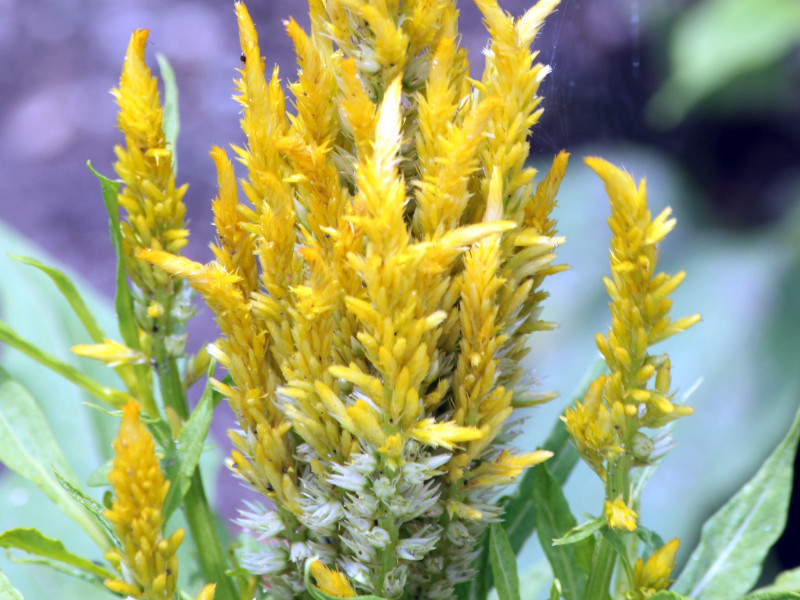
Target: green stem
210,554
618,483
199,516
603,563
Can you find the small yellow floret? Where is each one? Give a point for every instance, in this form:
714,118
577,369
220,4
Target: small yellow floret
619,515
652,576
331,582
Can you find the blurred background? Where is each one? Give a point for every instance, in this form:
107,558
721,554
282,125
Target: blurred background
701,97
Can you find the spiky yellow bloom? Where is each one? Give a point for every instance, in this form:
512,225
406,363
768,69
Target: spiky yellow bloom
153,205
146,559
619,515
606,426
653,575
331,582
374,283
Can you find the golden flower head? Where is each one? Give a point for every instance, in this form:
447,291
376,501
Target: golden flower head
149,561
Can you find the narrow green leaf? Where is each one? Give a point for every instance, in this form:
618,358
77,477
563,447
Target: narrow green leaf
28,447
70,293
170,120
90,504
123,302
519,519
581,532
788,581
554,520
101,392
555,590
8,591
735,541
504,564
318,595
185,456
34,542
772,595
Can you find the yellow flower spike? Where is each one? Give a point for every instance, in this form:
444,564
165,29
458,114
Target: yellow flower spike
619,515
153,205
139,494
331,582
112,353
653,575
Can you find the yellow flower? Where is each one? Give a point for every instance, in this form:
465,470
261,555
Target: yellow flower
619,515
331,582
653,575
146,559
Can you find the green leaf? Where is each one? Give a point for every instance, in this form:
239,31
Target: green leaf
318,595
553,520
581,532
170,120
772,595
788,581
28,447
735,541
185,456
70,292
504,563
34,542
718,41
651,540
123,302
614,539
519,519
8,591
90,504
101,392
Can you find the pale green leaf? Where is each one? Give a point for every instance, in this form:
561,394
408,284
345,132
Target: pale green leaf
735,541
70,293
34,542
28,447
717,41
504,564
101,392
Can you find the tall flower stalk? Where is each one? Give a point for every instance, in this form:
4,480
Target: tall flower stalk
374,289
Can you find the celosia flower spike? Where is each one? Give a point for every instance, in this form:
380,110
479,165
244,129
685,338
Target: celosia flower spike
153,205
606,426
146,560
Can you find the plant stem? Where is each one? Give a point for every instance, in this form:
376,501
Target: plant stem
199,516
207,542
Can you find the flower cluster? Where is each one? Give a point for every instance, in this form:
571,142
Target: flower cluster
145,558
375,287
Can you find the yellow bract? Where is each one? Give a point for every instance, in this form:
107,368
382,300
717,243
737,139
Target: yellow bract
653,575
